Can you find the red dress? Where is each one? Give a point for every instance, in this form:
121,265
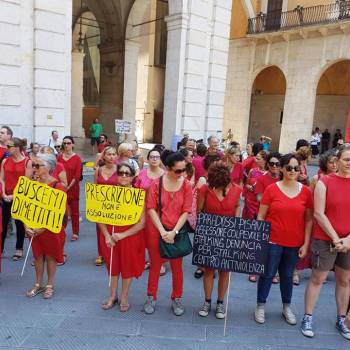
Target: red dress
129,253
12,171
237,173
57,171
49,243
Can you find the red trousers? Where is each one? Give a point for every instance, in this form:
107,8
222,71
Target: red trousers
156,261
73,205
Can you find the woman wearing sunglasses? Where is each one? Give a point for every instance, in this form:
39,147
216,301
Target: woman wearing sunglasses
128,259
287,205
12,168
46,245
72,164
176,204
233,161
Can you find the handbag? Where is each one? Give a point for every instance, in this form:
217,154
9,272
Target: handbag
182,245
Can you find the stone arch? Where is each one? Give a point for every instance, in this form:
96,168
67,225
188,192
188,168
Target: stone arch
267,104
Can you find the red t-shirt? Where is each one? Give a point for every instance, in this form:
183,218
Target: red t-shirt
12,171
237,173
225,207
249,163
3,151
337,206
73,170
173,203
287,215
263,182
199,170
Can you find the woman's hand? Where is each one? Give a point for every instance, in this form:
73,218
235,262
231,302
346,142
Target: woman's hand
342,245
303,250
109,241
169,237
118,236
29,232
7,198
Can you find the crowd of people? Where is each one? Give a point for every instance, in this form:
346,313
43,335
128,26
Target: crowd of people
309,226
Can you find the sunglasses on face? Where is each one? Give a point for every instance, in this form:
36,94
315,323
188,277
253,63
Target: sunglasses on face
179,171
124,174
67,143
290,168
37,166
274,164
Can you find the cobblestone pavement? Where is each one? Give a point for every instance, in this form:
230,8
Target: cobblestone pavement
73,319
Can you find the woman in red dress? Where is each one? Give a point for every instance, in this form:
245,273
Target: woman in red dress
128,259
105,175
250,161
11,169
219,197
72,164
46,245
176,196
233,156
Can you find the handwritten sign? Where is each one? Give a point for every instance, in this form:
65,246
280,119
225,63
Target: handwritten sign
122,126
231,244
114,205
38,205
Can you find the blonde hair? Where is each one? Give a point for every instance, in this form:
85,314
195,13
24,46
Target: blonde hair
124,148
107,149
47,150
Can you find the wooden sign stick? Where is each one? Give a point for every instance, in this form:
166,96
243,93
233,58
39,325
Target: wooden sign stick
25,260
227,299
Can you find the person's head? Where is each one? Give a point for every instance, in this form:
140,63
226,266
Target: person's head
15,146
209,160
261,160
6,134
103,138
233,155
125,150
182,143
290,167
68,143
47,149
302,143
343,162
235,144
249,149
219,176
303,153
54,135
188,154
96,121
175,163
43,165
109,155
317,129
273,163
328,162
126,174
213,143
191,145
35,148
153,157
338,131
160,148
340,143
201,149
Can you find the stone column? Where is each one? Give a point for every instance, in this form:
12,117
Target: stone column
130,84
174,76
77,94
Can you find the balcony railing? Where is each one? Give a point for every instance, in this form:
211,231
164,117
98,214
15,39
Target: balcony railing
299,17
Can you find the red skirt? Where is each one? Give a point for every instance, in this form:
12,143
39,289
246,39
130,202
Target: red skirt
48,244
128,254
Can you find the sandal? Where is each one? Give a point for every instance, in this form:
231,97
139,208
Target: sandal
147,265
99,261
108,304
162,270
18,255
124,307
35,291
48,292
252,278
296,279
198,273
74,237
276,280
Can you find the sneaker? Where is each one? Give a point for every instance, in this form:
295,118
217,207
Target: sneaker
220,311
306,326
342,327
259,314
205,309
289,316
150,305
178,308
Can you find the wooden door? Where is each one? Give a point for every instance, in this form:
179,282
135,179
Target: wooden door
273,16
158,126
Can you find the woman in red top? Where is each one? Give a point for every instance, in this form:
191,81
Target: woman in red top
250,161
190,171
233,156
59,173
332,208
128,246
219,197
46,245
287,205
72,164
176,204
11,169
105,175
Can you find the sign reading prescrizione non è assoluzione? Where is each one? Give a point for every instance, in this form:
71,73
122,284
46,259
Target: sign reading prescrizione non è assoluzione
38,205
114,205
231,244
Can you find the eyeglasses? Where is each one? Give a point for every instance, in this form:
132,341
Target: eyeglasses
10,146
67,143
290,168
124,174
154,157
340,144
37,166
179,171
275,164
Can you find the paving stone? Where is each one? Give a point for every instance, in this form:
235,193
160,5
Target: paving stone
13,336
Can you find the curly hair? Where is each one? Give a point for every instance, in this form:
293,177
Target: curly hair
219,176
303,153
209,160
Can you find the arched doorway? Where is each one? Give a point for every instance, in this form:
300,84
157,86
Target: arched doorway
267,103
333,99
144,73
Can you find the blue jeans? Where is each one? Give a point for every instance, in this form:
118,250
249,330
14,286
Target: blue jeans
283,260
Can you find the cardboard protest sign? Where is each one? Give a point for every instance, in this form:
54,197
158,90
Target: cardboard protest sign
114,205
231,243
38,205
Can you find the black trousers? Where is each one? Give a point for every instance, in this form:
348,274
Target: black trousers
6,216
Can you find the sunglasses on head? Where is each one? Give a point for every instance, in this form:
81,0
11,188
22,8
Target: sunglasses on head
275,164
10,146
37,166
291,168
179,171
124,174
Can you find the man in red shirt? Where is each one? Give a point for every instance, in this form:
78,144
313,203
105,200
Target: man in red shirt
5,137
103,143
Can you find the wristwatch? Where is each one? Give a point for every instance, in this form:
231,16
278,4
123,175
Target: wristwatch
176,232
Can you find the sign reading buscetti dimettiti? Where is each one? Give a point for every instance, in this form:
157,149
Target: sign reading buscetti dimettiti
231,244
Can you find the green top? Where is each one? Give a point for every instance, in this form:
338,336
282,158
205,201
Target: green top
96,130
